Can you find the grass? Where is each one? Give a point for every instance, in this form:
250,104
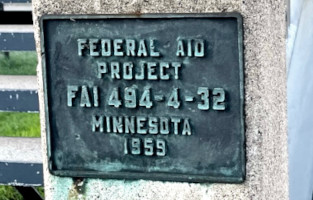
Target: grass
41,191
16,124
19,124
13,123
18,63
10,193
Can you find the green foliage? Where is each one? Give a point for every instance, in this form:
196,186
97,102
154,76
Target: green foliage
19,124
18,63
41,191
9,193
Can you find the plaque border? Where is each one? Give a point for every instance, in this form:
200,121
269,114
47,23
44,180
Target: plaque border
148,175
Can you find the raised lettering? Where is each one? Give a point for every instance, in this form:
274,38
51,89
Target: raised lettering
199,48
186,127
151,71
173,100
117,124
130,97
130,124
153,125
204,94
81,44
85,98
176,66
164,126
161,147
95,96
136,149
115,70
180,49
145,99
102,69
130,47
175,121
153,53
163,67
114,99
117,43
141,75
142,51
108,124
93,47
71,94
189,48
128,70
218,99
141,124
106,47
148,146
97,123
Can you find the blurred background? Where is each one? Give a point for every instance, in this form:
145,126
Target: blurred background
300,96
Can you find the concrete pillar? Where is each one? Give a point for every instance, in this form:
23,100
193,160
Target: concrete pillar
265,104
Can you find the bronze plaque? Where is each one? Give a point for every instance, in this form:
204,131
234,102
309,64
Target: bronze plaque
155,97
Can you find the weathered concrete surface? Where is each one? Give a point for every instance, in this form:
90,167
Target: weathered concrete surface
265,103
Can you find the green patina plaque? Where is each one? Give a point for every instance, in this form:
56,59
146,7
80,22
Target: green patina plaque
155,97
